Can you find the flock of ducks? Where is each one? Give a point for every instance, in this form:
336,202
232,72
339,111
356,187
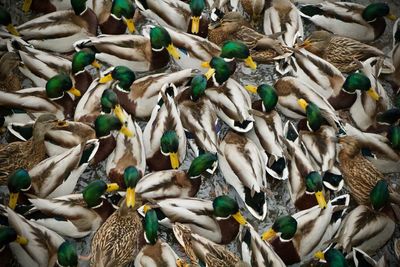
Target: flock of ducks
326,123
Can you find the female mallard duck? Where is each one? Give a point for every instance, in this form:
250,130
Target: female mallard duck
255,9
5,21
119,239
218,220
117,19
59,30
164,137
283,16
177,183
9,81
375,221
268,130
136,52
263,49
75,215
362,23
242,165
288,233
156,251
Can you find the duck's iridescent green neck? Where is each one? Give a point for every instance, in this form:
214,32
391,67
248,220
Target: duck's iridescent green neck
224,206
379,195
79,6
198,85
151,226
268,96
286,226
106,123
197,7
222,69
108,100
58,85
202,163
67,255
131,176
394,137
356,81
234,49
313,182
375,10
19,180
159,38
314,116
93,192
123,8
335,258
81,60
169,142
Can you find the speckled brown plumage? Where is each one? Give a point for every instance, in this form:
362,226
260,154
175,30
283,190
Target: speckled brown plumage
9,81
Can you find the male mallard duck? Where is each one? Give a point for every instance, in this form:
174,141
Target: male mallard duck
333,257
48,6
5,21
242,165
288,233
177,183
7,236
234,50
395,55
59,30
218,220
164,137
118,18
362,23
375,221
283,16
136,52
75,215
8,80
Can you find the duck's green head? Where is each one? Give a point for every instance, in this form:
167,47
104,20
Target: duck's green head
79,6
169,147
267,93
314,186
160,39
5,20
358,81
224,207
377,10
151,226
238,50
82,59
67,255
105,123
333,257
198,85
108,100
95,190
204,162
57,85
197,7
123,75
18,181
124,9
284,226
8,235
218,69
379,195
131,178
313,113
394,137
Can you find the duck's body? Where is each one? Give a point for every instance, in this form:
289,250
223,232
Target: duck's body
159,254
9,80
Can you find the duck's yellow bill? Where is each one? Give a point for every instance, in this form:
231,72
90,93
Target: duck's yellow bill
251,88
130,25
112,187
320,199
27,5
391,17
306,43
146,208
195,24
119,113
205,64
373,94
174,158
302,103
130,197
181,263
96,64
75,92
106,79
267,235
250,63
21,240
173,51
12,203
239,218
319,255
209,73
11,29
125,131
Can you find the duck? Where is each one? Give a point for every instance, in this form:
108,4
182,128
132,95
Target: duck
359,223
74,215
48,32
218,220
268,129
177,183
135,52
6,22
8,236
9,79
117,19
332,256
395,56
255,9
155,251
356,21
315,224
123,229
242,165
164,137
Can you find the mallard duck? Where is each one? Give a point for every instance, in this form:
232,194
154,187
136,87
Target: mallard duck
9,235
118,18
395,55
374,220
218,220
164,137
202,251
136,52
268,130
255,251
9,81
255,9
283,16
360,258
75,215
288,233
177,183
263,49
59,30
362,23
242,165
332,256
119,239
5,21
